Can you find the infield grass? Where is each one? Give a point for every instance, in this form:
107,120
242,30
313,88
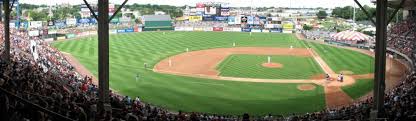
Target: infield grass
250,66
340,59
360,88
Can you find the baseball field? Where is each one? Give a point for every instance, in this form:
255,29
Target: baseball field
228,72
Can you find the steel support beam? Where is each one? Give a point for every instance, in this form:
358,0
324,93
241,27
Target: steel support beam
370,17
1,13
91,10
118,10
11,6
380,60
103,55
6,7
395,11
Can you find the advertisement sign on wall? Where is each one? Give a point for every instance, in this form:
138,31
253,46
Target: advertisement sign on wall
35,24
121,30
198,29
199,13
210,10
113,31
288,26
139,29
225,11
51,23
245,29
236,29
218,29
115,20
111,9
129,30
200,7
84,21
279,30
237,20
12,25
71,22
250,20
52,31
179,29
255,30
188,29
208,29
244,20
227,29
221,18
208,18
34,33
93,20
231,19
61,38
195,18
60,23
273,26
287,31
124,20
70,36
256,20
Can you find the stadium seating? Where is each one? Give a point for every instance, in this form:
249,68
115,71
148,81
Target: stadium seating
43,76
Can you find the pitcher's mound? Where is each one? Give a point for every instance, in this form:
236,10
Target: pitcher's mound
272,65
306,87
346,72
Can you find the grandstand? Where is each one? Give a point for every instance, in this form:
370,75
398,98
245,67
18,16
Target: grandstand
39,82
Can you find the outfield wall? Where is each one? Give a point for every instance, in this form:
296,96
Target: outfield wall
189,29
231,29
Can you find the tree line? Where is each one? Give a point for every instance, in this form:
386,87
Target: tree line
41,12
347,12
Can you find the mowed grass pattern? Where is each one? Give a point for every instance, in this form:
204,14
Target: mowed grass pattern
360,88
340,59
250,66
128,52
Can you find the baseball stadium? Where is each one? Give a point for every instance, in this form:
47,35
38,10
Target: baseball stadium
208,61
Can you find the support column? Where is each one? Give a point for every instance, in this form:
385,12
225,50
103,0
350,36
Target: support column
6,7
103,55
1,13
380,60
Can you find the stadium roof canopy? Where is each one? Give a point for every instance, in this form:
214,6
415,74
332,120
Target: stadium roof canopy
395,3
156,18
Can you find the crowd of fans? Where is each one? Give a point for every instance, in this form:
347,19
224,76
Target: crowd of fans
402,36
40,73
400,102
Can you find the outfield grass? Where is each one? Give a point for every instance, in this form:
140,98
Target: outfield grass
340,59
250,66
128,52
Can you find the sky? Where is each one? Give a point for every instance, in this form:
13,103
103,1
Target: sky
233,3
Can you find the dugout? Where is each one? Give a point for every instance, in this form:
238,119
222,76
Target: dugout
157,22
